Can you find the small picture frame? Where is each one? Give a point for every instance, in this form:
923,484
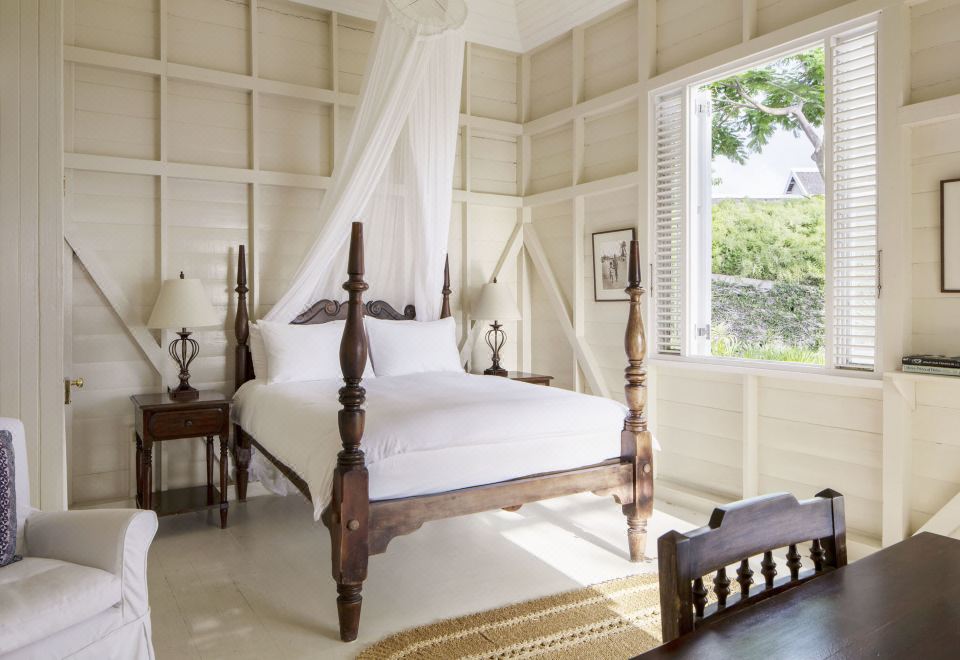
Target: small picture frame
611,255
950,236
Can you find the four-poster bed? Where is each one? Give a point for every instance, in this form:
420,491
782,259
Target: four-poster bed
360,526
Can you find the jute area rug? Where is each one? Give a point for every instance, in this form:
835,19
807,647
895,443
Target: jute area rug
616,619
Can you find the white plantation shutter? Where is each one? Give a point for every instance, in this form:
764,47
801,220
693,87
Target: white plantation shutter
853,161
668,213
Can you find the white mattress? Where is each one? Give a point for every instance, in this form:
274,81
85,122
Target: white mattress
433,432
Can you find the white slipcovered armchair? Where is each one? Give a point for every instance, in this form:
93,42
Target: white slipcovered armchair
80,590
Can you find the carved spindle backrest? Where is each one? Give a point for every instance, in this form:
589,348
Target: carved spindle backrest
446,291
699,597
768,569
745,577
794,562
735,533
721,587
242,363
817,554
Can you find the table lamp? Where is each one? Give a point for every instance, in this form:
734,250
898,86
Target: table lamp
496,303
183,304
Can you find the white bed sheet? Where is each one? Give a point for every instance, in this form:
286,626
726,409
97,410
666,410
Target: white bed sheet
432,432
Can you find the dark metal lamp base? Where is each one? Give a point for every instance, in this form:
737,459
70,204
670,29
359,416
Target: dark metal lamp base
184,393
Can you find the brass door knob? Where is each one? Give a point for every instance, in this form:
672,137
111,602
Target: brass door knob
67,384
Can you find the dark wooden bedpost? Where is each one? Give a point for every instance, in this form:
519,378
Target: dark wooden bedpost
636,443
241,442
350,505
446,291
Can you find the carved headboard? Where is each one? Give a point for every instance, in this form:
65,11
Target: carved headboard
322,311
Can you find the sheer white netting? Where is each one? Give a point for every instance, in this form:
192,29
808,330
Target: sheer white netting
396,175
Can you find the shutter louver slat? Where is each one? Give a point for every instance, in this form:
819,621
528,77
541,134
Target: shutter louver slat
855,192
668,214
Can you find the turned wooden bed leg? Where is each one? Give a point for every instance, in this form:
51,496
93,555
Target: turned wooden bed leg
348,610
241,458
350,504
636,443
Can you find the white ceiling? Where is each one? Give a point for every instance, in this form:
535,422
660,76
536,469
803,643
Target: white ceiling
514,25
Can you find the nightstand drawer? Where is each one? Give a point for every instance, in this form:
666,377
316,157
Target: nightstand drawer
187,423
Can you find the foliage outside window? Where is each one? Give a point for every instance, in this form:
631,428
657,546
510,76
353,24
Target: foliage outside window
768,254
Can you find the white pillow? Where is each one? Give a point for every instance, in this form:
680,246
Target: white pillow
258,352
412,347
304,352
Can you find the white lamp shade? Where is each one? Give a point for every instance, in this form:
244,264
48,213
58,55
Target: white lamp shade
182,303
496,303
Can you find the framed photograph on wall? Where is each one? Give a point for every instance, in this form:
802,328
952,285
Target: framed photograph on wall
950,235
611,252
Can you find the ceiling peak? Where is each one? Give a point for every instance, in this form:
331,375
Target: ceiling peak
514,25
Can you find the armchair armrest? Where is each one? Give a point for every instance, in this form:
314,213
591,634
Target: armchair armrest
113,540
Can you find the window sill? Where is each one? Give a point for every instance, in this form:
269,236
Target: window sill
810,373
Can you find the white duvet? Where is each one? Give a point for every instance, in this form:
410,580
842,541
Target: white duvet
432,432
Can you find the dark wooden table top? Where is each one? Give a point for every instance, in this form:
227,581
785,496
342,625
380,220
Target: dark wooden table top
900,602
162,400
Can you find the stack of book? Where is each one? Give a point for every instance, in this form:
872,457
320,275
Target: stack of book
941,365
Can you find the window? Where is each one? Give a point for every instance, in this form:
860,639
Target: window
765,209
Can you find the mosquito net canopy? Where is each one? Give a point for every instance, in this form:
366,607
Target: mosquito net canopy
396,174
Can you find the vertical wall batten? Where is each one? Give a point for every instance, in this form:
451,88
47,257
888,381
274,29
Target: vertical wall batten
10,207
29,239
53,468
163,196
749,18
751,445
578,284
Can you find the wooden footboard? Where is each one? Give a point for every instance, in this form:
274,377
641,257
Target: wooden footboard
391,518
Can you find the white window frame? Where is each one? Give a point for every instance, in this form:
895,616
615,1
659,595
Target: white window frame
688,87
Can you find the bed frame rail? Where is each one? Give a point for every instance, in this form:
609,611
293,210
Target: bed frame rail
392,518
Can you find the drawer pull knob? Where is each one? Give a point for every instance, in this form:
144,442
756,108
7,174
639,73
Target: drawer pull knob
188,423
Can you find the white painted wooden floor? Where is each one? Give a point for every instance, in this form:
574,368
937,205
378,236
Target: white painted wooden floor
262,587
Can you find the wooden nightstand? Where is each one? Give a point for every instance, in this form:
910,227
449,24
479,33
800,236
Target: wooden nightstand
158,419
525,377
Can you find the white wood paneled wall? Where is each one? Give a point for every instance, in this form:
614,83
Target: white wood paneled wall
731,432
187,152
194,127
31,241
931,122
